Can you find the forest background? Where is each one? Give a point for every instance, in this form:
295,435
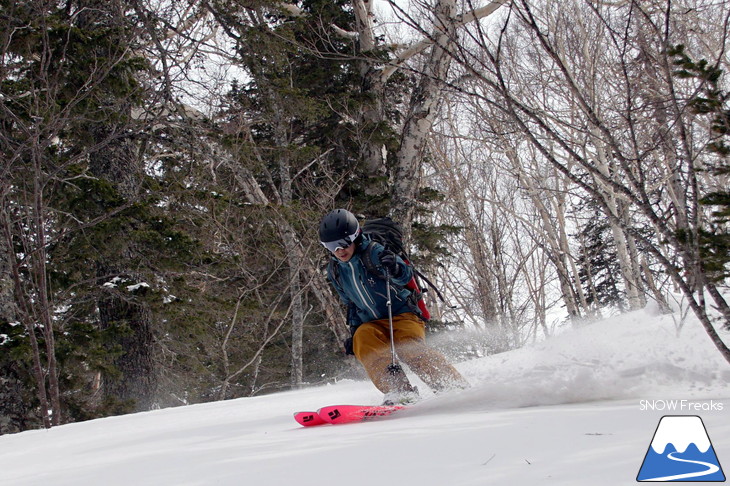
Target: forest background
165,166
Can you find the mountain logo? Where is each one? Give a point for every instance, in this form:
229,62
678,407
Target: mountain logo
681,451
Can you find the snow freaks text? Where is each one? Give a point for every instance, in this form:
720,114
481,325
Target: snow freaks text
681,406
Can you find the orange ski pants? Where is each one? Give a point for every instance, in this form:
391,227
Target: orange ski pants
371,345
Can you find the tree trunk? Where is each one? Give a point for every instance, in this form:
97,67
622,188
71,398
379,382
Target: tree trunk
21,309
8,307
137,382
721,303
293,257
630,269
422,110
658,296
562,229
552,241
372,117
43,305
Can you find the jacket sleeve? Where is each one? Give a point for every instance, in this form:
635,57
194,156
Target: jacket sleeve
406,271
343,296
353,320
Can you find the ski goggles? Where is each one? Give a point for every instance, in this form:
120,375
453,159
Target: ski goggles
342,243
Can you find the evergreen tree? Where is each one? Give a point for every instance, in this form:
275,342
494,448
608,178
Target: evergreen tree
287,127
715,233
69,86
598,262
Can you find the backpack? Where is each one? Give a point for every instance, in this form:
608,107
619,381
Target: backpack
390,234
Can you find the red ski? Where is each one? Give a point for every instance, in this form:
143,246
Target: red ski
308,419
345,414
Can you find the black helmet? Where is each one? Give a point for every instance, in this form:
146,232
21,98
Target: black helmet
338,229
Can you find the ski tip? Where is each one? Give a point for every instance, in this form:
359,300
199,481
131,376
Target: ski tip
308,419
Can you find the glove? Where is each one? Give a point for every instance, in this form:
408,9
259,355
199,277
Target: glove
389,262
347,343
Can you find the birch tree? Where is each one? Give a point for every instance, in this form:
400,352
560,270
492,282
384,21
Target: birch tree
382,139
622,161
492,270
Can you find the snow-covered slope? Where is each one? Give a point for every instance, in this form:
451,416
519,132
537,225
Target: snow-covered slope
578,409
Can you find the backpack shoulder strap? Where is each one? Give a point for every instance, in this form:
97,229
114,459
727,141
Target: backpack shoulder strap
367,260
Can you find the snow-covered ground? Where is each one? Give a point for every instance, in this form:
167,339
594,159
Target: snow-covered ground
578,409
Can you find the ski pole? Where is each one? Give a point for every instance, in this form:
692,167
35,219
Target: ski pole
394,368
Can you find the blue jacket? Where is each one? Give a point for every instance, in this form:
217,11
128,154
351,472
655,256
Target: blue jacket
365,294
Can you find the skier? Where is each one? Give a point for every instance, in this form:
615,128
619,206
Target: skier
366,297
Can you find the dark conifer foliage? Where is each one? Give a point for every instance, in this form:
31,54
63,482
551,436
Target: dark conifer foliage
598,263
713,103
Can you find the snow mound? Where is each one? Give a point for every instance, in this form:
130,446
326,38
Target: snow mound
634,355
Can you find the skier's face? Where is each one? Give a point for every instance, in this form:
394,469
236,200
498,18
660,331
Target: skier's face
344,254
